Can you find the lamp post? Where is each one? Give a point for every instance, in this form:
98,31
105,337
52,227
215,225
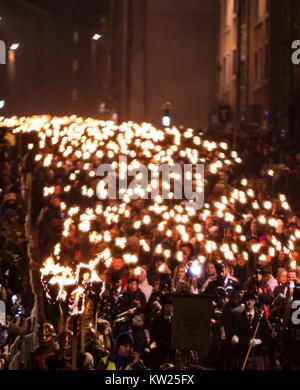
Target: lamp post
11,68
166,118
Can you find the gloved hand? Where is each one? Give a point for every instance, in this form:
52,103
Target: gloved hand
235,340
255,342
223,334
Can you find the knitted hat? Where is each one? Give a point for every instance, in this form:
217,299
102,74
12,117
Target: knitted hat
124,339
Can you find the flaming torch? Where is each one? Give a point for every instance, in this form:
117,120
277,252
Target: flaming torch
72,287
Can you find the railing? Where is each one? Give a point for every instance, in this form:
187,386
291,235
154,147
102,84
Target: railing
25,344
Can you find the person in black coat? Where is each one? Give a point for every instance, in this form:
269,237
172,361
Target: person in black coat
282,278
280,261
229,312
243,329
241,269
133,299
49,225
161,334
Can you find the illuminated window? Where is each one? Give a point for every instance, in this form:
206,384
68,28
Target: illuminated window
75,37
74,94
226,71
75,65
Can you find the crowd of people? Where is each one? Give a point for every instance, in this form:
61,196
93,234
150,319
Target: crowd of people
16,297
241,249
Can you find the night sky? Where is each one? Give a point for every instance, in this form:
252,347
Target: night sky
154,67
82,12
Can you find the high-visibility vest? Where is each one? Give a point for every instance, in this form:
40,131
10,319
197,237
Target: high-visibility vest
112,365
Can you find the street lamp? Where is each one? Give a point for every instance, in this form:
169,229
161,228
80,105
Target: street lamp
14,46
166,121
166,118
95,37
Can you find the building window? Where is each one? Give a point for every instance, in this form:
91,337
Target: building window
74,94
234,62
267,23
75,65
235,6
259,66
225,14
243,12
256,9
266,61
243,72
256,67
260,8
261,54
75,37
227,71
224,73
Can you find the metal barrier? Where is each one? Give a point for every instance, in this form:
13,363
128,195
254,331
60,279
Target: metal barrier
25,344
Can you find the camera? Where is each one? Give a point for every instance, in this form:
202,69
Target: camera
19,311
14,299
